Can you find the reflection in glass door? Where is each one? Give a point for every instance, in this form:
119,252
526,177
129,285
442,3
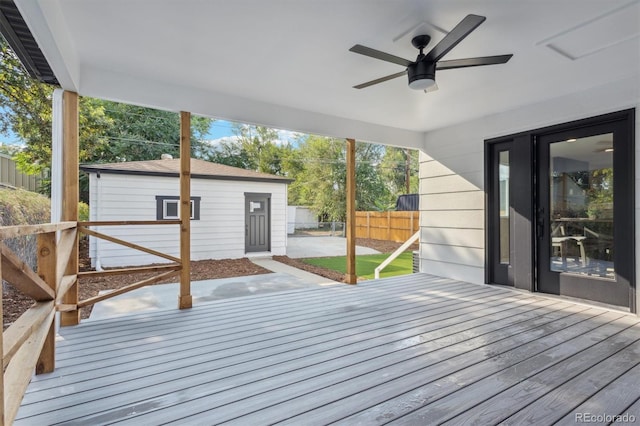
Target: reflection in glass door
503,180
584,215
581,183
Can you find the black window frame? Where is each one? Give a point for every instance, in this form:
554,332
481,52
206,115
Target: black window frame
161,203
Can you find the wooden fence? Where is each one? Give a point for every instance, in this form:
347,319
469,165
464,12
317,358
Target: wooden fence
11,176
389,226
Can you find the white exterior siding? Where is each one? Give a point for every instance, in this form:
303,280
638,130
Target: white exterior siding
452,215
219,234
452,175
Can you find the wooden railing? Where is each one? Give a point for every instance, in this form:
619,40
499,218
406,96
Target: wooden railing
29,343
166,271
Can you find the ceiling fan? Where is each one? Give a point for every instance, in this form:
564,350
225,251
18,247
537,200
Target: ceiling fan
422,71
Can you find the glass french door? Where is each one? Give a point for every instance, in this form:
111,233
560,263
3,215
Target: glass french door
583,218
560,210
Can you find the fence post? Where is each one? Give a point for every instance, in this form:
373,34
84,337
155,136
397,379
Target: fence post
368,224
47,261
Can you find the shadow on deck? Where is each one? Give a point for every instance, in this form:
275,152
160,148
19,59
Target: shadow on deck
411,350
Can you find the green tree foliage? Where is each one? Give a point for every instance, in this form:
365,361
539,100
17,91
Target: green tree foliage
256,148
321,183
138,133
395,165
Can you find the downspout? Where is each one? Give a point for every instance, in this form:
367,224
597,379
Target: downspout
97,218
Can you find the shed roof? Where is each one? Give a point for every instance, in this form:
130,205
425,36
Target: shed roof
200,169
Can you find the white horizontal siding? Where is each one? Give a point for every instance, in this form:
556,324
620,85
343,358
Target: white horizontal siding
219,234
468,200
464,219
450,183
473,238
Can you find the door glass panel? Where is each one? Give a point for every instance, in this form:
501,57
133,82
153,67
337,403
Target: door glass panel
504,206
581,206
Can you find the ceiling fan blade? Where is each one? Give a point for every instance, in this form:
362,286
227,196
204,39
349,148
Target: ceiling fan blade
473,62
373,53
380,80
451,40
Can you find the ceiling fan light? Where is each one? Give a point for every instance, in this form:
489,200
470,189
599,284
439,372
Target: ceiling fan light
422,75
422,84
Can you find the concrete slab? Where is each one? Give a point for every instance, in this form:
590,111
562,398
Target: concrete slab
301,247
165,296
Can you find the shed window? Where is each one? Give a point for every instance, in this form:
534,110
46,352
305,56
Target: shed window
168,207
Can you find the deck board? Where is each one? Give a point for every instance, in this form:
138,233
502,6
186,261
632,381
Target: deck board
412,350
613,398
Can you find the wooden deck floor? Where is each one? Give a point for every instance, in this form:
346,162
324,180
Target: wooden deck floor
415,350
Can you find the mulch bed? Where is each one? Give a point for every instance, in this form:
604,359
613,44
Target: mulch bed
15,303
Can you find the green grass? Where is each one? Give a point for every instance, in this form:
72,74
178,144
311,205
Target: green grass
366,264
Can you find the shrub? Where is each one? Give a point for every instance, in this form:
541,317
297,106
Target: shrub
20,207
83,212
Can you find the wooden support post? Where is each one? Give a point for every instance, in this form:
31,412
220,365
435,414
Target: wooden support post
47,270
352,277
70,195
184,300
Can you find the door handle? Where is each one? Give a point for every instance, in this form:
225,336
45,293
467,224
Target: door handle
540,223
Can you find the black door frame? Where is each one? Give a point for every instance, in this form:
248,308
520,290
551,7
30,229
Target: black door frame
520,273
523,146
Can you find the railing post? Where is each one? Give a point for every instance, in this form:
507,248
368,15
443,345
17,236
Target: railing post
185,299
352,277
47,261
70,194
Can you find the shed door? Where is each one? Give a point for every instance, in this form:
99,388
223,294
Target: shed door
257,223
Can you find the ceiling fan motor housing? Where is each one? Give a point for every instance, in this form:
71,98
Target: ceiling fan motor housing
421,70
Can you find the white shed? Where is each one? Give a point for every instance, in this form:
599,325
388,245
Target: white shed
235,212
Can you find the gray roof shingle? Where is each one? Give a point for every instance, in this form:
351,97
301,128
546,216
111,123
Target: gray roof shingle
200,169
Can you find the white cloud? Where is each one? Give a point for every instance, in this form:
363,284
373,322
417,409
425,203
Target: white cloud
218,141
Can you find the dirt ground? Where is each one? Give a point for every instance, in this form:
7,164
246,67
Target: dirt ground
15,303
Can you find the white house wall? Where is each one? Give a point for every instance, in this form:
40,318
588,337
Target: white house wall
219,234
452,175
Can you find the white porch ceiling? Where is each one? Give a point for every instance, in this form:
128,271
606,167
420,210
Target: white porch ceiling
285,63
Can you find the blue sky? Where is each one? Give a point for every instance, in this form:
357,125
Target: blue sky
219,129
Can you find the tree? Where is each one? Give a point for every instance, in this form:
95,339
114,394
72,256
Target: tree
321,184
397,164
256,148
138,133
